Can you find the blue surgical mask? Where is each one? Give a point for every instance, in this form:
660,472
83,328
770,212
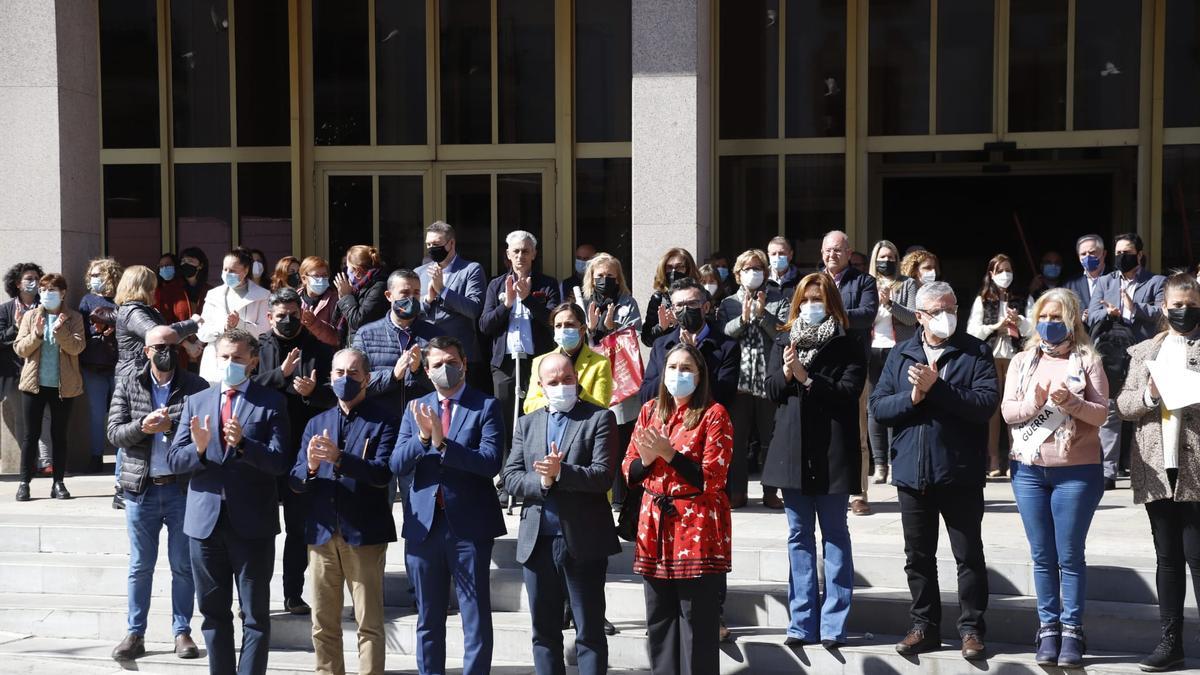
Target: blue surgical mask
51,300
779,263
580,266
345,388
95,284
1051,271
723,272
680,383
351,276
567,338
318,285
233,374
167,272
231,279
29,286
1053,332
1090,263
812,313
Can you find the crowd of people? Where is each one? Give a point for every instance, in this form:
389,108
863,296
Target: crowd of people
338,388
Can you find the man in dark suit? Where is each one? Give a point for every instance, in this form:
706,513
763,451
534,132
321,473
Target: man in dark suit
1133,297
722,354
234,447
561,467
516,316
450,444
1090,249
293,362
452,297
343,465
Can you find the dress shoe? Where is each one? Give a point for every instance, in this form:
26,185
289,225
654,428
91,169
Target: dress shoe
793,641
832,644
860,507
130,648
737,501
723,633
185,647
59,491
920,639
610,629
23,492
296,606
118,498
973,648
772,500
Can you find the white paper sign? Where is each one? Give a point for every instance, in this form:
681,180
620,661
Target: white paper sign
1179,387
1028,437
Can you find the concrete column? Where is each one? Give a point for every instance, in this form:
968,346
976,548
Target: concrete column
672,132
49,153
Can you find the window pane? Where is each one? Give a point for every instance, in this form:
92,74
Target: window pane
1181,206
749,202
526,70
749,69
898,61
1037,66
349,215
265,209
466,39
964,96
129,73
469,210
263,105
402,220
816,68
132,214
815,203
1181,89
200,73
341,87
603,70
1108,45
400,96
202,209
519,207
603,207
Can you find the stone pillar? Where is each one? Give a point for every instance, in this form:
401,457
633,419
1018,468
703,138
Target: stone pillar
672,133
49,156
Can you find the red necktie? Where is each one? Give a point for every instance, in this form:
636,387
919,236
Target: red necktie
446,403
226,413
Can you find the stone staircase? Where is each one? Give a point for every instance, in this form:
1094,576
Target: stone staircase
63,568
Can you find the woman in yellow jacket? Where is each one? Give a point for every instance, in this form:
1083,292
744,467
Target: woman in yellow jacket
50,340
595,372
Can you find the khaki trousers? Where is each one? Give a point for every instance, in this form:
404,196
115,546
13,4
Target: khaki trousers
334,565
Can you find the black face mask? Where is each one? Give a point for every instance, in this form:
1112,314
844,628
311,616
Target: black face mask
188,271
691,318
673,276
405,308
438,253
1127,261
886,267
288,327
1184,319
607,288
164,361
293,280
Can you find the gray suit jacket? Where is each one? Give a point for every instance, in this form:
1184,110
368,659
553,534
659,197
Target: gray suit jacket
1147,302
590,458
456,311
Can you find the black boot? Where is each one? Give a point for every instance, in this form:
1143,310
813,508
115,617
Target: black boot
1168,655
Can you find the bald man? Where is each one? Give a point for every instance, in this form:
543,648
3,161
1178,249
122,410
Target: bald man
561,467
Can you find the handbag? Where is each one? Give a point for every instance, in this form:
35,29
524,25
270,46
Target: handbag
624,354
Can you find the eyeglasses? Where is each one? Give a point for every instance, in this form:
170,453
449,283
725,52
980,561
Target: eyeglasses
935,313
834,251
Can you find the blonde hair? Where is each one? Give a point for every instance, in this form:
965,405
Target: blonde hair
137,285
110,274
911,264
1068,303
589,286
746,256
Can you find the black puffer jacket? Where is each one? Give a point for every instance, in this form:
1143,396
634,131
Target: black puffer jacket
134,320
130,405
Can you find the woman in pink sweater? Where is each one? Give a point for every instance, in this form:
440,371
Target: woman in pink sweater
1055,399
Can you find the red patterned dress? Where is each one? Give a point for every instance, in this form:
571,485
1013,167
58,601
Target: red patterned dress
684,533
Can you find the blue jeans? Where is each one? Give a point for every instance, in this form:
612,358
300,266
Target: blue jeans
1057,504
99,388
803,512
145,515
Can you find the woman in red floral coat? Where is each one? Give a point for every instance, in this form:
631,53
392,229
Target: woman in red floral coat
680,453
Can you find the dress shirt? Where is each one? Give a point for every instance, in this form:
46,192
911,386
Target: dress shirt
556,426
520,330
159,394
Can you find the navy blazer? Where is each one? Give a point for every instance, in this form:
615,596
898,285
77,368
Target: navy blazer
247,478
591,453
860,298
1082,289
543,297
1147,302
456,311
352,499
722,355
465,472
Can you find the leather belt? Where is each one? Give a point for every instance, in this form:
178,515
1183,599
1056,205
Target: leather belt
162,480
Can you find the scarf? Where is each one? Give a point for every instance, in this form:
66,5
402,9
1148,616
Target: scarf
1076,383
752,376
808,339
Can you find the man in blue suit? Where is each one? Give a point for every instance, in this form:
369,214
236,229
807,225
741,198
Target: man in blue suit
450,442
452,297
343,466
233,446
1133,297
1090,250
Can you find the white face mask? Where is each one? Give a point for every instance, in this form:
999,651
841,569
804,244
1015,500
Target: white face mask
942,326
562,397
1003,279
256,269
711,288
928,276
752,279
812,313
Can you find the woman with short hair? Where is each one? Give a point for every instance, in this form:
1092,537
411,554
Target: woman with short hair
136,315
895,322
318,300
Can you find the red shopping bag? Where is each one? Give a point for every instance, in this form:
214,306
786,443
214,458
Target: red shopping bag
624,353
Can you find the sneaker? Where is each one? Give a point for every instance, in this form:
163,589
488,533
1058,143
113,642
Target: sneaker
23,492
973,648
59,491
1048,642
296,606
185,647
1070,655
130,648
881,474
920,639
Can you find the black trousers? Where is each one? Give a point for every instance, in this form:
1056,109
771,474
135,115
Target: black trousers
620,488
505,391
1175,527
878,435
962,511
750,414
682,622
552,576
34,406
295,548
